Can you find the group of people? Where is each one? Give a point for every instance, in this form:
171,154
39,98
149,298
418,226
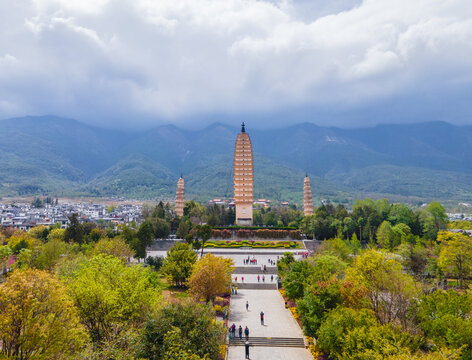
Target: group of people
248,261
232,332
263,278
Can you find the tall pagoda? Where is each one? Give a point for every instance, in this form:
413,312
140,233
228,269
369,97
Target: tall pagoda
179,199
243,175
307,197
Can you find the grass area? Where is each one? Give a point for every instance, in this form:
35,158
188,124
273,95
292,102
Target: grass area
169,292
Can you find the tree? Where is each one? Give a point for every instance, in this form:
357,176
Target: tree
111,296
161,228
74,231
388,289
56,234
317,301
211,276
155,262
326,266
179,263
435,219
38,320
204,233
116,247
173,349
5,253
337,324
297,279
285,263
200,334
385,235
184,228
49,254
455,256
144,238
444,316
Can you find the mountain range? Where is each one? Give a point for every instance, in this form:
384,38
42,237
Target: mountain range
62,157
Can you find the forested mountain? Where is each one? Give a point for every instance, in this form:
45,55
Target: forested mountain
55,156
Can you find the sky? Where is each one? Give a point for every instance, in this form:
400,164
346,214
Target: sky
140,63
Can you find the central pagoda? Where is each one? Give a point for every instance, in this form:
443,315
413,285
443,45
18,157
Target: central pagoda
243,178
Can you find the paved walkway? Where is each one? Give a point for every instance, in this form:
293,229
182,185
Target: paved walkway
278,322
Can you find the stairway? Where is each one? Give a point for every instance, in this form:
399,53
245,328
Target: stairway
258,286
255,270
269,342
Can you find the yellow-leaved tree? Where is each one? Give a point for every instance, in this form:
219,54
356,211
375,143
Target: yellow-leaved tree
211,276
37,318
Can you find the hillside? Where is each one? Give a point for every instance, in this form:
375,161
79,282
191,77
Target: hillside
50,155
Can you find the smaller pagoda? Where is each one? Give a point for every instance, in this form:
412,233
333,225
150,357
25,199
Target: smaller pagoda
179,199
307,197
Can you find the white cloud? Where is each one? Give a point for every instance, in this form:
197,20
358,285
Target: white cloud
171,59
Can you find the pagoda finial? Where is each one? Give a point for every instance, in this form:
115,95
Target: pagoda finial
306,174
181,175
243,129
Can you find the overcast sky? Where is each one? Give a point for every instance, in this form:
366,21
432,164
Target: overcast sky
138,63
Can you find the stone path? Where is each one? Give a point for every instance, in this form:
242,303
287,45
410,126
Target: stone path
278,322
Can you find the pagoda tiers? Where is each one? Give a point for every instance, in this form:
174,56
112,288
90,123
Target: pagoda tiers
243,178
179,199
307,197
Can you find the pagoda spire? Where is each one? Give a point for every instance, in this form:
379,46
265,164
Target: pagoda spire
243,127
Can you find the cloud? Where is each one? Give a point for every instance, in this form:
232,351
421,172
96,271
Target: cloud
128,63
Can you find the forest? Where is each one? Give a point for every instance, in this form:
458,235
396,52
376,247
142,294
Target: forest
386,282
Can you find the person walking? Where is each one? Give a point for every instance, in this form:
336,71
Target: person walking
262,318
242,279
233,330
258,278
246,346
240,332
235,279
272,278
246,333
235,290
247,305
263,278
230,333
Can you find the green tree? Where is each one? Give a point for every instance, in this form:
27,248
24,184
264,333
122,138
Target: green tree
444,316
184,228
173,349
435,219
179,263
297,279
161,228
200,334
204,234
285,263
318,300
38,320
111,296
385,235
144,238
5,253
455,257
75,231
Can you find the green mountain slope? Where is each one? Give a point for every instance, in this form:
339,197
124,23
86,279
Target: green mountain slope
50,155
